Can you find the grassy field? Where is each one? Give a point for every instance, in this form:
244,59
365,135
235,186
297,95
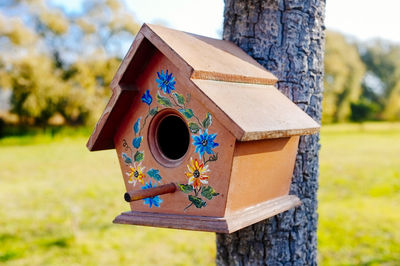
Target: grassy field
57,202
359,196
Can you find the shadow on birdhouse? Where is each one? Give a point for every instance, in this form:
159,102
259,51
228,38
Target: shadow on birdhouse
204,139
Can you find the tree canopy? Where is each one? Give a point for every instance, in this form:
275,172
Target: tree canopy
382,61
57,62
344,72
362,80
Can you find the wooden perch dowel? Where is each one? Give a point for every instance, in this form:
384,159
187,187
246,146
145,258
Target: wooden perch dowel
149,192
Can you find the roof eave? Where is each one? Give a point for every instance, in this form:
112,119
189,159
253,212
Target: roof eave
260,135
101,139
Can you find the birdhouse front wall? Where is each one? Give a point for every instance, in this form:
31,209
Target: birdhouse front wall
202,174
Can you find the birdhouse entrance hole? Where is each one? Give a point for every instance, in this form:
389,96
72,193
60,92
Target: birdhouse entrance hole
169,138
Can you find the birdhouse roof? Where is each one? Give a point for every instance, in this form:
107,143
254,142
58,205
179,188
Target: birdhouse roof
242,90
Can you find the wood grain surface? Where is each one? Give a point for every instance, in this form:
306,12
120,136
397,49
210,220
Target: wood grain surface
261,111
228,224
239,88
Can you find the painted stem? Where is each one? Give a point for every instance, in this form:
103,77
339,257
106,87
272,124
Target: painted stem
212,158
176,104
144,121
198,120
187,207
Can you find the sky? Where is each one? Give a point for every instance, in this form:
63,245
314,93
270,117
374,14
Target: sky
203,17
363,19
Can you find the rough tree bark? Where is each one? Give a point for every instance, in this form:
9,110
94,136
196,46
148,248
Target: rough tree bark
287,37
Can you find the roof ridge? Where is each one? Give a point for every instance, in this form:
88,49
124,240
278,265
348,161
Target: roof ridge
249,71
217,76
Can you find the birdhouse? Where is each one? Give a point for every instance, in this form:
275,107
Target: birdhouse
204,139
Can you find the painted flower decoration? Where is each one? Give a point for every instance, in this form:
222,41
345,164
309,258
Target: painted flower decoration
197,187
166,81
156,200
204,142
197,173
135,174
146,98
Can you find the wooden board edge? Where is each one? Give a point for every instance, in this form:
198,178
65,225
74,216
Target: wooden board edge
109,121
262,76
127,59
199,74
261,211
166,50
173,221
98,129
259,135
227,224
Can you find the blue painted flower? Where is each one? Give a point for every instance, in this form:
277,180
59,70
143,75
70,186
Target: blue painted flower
136,142
152,200
204,143
136,126
146,98
166,81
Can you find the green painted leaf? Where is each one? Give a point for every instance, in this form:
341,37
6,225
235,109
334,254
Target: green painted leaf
198,202
153,111
188,113
138,156
209,193
163,100
126,158
155,174
179,97
194,127
185,188
207,121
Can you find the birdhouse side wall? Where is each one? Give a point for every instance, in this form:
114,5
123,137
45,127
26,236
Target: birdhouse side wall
202,174
261,170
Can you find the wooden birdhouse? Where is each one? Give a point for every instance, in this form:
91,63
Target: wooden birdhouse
204,139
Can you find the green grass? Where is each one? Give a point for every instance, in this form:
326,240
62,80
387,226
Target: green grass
57,202
359,199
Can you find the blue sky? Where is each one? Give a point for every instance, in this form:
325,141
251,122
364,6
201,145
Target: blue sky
362,19
365,19
203,17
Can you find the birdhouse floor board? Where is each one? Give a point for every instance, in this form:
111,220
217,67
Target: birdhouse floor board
228,224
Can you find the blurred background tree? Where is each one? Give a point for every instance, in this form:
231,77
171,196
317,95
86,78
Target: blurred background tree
382,61
58,65
344,72
362,80
55,66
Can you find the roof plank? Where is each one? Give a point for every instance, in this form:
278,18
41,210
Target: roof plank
214,59
242,91
262,111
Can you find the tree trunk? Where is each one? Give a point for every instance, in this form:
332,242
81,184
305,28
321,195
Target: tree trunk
287,38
